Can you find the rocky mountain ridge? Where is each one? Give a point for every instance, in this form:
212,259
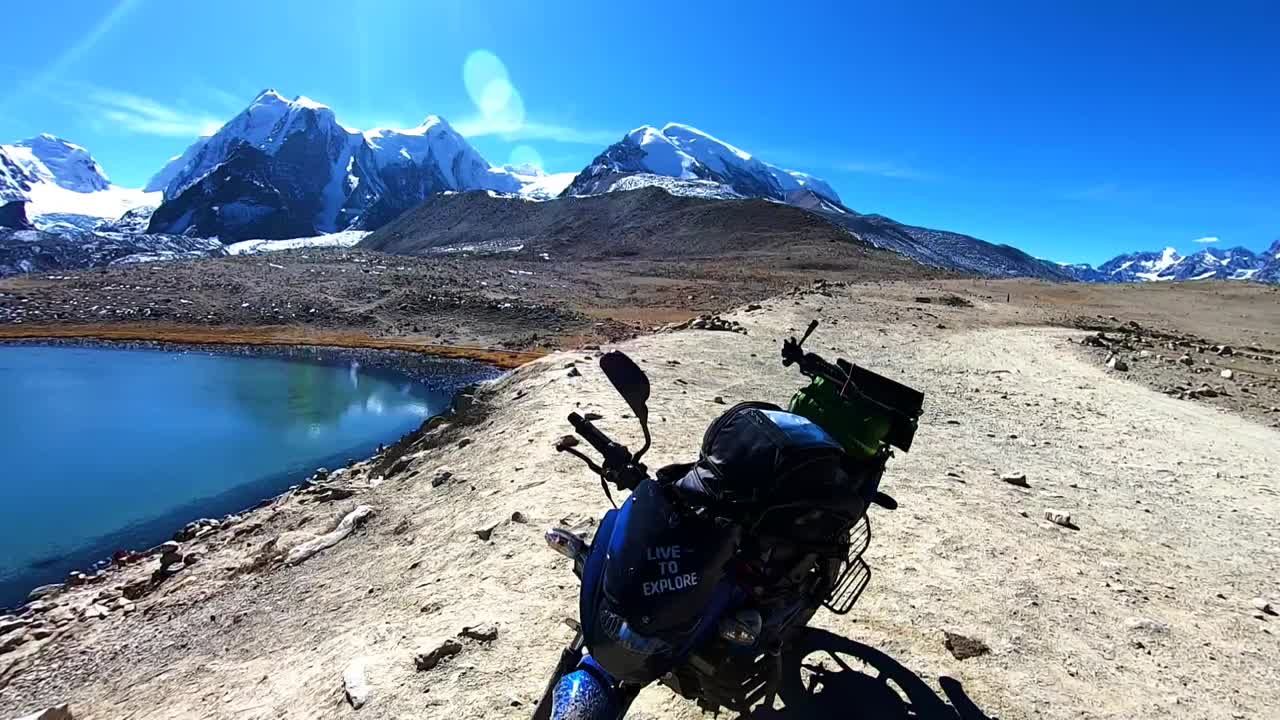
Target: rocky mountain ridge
288,169
1237,263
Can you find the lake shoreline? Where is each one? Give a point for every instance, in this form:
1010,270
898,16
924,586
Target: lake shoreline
412,364
215,339
419,367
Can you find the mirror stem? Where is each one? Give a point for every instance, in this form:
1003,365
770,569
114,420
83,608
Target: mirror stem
644,427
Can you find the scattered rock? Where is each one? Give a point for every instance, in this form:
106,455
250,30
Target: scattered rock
1146,625
345,526
355,682
519,517
710,322
485,532
1019,479
574,372
171,555
486,632
1186,360
12,642
94,612
1225,350
1058,517
717,400
137,589
10,623
464,442
592,416
1263,606
963,648
434,651
441,477
61,712
400,466
1226,374
43,591
332,493
1115,362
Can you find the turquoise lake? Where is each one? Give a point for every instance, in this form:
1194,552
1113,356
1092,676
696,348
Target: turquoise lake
107,449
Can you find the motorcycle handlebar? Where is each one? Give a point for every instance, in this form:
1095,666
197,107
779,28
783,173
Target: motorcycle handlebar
619,466
591,434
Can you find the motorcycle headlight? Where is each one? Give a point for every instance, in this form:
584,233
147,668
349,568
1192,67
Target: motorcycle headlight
617,628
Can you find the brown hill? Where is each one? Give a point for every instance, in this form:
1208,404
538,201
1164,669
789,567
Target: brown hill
646,223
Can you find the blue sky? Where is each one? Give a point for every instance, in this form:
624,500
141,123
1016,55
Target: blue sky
1071,130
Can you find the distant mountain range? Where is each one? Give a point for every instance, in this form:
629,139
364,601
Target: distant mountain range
287,169
1236,263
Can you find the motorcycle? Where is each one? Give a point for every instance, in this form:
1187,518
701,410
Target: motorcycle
707,569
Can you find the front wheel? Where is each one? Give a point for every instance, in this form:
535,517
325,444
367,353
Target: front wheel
569,658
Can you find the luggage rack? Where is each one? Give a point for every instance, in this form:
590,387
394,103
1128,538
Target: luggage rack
854,573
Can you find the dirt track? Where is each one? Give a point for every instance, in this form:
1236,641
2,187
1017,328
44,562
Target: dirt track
1144,611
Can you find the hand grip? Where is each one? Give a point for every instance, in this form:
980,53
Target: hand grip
591,434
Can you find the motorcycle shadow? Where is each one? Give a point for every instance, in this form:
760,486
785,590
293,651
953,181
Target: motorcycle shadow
828,676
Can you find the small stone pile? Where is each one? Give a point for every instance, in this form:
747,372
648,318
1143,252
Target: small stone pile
709,322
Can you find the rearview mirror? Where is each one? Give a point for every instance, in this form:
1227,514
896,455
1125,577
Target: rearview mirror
630,382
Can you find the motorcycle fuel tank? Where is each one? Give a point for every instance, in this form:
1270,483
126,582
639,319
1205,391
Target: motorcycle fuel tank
663,564
653,585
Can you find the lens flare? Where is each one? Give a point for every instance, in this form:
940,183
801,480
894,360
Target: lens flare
525,156
489,87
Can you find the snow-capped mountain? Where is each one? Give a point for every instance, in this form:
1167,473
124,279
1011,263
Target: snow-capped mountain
1209,264
536,184
54,177
686,161
287,168
1137,266
686,153
1270,271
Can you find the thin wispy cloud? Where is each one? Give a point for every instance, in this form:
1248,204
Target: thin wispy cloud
886,170
52,72
485,127
137,114
1205,240
892,169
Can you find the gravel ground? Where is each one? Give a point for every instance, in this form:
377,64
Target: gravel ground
1149,605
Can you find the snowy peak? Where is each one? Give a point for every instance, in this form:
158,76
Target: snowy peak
51,159
1236,263
55,177
15,181
282,167
686,153
266,124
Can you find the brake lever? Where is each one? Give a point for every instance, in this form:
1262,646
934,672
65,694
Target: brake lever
569,444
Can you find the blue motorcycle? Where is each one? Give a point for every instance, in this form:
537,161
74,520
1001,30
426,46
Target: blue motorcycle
705,572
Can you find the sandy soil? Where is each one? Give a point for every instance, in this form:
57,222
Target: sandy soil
1146,610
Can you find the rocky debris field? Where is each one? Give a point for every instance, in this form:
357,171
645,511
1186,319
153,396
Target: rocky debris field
1069,543
473,300
1241,379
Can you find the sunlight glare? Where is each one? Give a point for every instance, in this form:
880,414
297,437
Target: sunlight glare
522,155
